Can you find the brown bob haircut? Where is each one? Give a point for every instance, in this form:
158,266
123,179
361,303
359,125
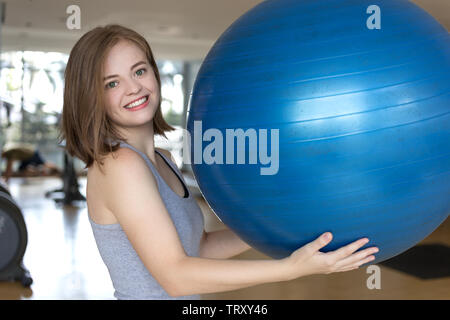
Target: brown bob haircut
88,132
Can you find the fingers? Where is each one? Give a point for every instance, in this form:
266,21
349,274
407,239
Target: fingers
320,242
357,264
348,250
357,259
343,259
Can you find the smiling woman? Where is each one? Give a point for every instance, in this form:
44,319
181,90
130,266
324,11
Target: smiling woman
133,87
121,104
90,98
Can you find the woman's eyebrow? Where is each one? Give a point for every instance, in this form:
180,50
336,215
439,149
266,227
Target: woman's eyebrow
132,67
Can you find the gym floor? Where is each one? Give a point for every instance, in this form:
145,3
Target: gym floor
64,263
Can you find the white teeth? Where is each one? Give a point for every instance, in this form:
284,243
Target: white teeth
136,103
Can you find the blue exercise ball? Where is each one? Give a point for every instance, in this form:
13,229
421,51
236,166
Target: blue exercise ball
342,113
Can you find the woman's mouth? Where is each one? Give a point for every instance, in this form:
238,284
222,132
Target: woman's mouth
137,104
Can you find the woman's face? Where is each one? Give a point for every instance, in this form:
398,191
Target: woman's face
131,90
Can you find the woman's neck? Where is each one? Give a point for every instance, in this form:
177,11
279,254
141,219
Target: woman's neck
142,138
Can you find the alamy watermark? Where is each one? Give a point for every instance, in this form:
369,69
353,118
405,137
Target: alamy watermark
374,281
213,152
74,20
374,21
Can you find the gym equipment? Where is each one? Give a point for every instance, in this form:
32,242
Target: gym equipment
13,242
70,190
13,231
364,125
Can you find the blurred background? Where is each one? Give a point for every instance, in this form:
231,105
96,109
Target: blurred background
36,44
61,255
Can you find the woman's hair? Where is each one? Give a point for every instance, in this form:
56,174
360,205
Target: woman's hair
88,131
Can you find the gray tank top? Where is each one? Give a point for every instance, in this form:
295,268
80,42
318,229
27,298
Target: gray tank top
130,278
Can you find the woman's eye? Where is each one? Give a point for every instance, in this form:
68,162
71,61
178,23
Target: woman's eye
140,72
109,86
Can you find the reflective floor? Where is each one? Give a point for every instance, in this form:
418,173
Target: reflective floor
64,262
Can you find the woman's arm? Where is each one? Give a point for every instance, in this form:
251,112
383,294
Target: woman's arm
221,244
199,275
134,199
203,275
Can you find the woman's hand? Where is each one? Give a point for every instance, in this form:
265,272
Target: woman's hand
309,260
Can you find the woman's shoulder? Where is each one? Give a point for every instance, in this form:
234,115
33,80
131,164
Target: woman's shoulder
126,159
104,182
122,157
120,163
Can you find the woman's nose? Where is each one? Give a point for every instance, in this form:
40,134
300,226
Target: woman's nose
133,86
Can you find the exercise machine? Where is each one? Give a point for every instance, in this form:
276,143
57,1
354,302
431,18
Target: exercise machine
13,237
70,189
13,241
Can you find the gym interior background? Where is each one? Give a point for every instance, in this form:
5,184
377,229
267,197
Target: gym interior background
61,257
